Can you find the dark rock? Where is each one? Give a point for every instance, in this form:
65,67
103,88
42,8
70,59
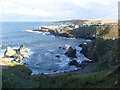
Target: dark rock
57,56
84,63
62,47
55,71
74,62
82,44
105,61
84,48
12,57
71,52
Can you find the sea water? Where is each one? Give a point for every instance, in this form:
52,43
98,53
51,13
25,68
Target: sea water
43,47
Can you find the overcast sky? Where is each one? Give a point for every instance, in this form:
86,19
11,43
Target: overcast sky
51,10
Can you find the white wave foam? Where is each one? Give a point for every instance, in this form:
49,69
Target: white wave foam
30,31
2,52
9,59
40,32
88,40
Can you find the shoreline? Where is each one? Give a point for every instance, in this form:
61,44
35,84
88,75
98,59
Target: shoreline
87,69
78,71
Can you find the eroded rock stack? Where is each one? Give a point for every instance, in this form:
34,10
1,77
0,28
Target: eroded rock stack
71,52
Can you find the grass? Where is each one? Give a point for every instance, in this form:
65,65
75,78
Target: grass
91,80
99,79
102,31
102,67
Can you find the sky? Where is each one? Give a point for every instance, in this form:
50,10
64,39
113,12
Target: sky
55,10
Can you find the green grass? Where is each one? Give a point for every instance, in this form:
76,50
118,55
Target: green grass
13,77
102,67
102,31
91,80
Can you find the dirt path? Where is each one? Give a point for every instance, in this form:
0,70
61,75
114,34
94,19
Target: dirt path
88,69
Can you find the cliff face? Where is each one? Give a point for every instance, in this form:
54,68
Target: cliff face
105,47
103,51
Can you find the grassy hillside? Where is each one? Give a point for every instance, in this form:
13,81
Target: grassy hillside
104,31
101,79
14,77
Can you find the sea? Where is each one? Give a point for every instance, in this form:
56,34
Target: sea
42,46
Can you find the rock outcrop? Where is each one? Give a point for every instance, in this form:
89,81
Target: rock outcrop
22,49
84,48
73,62
9,52
71,52
58,56
101,50
17,54
84,63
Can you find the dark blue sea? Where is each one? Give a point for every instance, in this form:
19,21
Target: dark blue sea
43,48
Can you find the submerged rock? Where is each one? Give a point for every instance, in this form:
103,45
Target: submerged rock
71,52
55,71
9,52
57,56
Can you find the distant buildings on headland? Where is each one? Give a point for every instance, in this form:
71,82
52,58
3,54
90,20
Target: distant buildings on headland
71,26
91,24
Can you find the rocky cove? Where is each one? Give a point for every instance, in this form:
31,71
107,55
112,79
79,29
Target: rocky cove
105,65
19,56
69,51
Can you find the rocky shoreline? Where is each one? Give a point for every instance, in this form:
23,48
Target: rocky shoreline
16,55
71,52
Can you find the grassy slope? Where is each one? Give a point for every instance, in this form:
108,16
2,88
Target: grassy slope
14,78
96,80
106,32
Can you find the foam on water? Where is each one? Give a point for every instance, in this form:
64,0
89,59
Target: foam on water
30,31
2,52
